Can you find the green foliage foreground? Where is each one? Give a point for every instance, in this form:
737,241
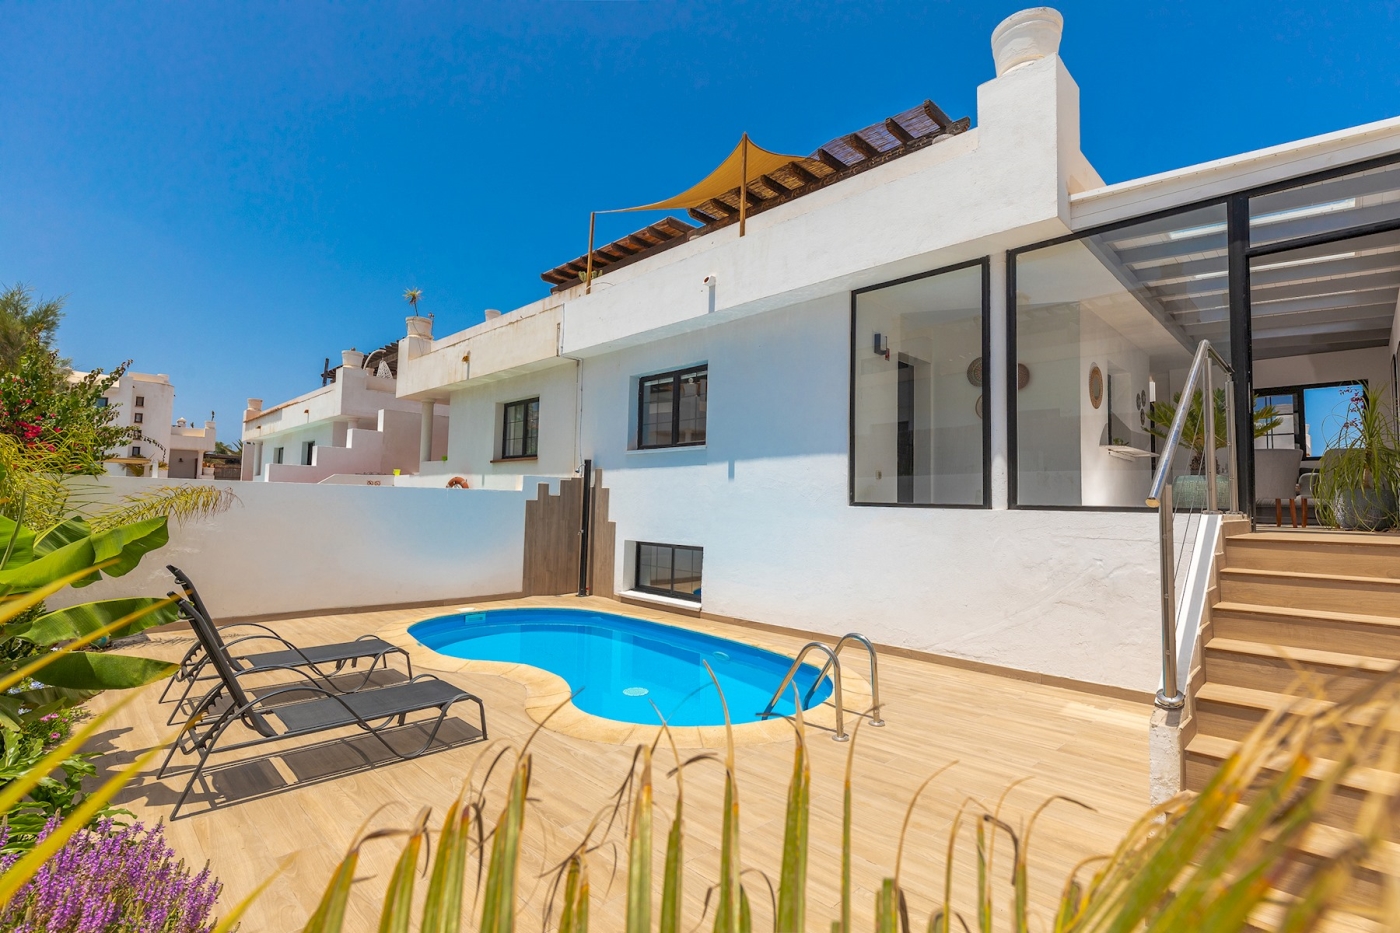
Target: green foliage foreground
1200,862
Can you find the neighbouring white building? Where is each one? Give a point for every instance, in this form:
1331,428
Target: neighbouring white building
905,385
146,402
354,429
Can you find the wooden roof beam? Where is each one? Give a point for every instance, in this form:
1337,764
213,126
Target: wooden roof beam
937,115
898,132
776,186
701,216
801,173
830,160
860,144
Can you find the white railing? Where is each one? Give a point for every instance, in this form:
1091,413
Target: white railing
1201,378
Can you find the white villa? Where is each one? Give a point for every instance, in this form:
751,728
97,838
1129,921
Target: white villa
916,386
165,448
354,429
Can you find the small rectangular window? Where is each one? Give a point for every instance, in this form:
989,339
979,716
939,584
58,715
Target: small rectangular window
520,430
277,455
1311,418
102,401
140,400
671,408
136,450
669,570
138,418
307,447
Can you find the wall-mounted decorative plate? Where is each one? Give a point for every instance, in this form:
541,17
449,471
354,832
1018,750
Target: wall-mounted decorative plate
1095,386
977,406
1023,376
974,372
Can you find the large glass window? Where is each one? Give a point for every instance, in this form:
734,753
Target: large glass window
917,390
669,570
1312,418
1104,331
671,408
520,429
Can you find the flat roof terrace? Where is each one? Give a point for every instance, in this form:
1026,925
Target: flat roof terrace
265,803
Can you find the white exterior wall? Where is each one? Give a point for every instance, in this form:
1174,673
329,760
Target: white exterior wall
335,416
286,548
158,404
1069,594
474,449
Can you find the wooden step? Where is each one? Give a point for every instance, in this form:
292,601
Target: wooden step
1291,670
1336,552
1205,753
1306,590
1232,712
1320,843
1351,632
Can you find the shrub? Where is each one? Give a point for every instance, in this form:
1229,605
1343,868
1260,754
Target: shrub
112,879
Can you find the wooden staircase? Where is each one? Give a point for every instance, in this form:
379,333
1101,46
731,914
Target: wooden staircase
1327,603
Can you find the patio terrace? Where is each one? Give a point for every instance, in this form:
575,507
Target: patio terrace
267,803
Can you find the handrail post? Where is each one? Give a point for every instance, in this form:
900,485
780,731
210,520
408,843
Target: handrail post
1231,454
1208,428
1165,699
874,675
836,695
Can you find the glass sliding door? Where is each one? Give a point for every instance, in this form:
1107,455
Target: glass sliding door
918,436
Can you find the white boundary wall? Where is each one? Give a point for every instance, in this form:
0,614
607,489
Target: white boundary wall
291,547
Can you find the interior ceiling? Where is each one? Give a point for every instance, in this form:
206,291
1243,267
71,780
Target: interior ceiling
1335,296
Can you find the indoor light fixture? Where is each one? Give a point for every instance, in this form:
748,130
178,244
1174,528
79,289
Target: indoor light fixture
1296,213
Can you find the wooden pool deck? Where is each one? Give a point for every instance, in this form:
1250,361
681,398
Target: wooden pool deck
263,804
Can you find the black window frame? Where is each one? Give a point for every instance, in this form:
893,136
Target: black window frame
1239,256
102,401
277,454
675,375
656,590
139,402
138,417
986,264
527,453
136,450
308,449
1300,415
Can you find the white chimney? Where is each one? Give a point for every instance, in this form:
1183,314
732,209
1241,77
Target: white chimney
1027,36
351,358
492,313
255,404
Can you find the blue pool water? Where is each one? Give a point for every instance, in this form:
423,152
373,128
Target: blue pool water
619,666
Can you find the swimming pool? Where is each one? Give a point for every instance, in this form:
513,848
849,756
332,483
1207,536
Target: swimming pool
618,666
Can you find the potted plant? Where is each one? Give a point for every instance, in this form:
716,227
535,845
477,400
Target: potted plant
1189,490
1359,474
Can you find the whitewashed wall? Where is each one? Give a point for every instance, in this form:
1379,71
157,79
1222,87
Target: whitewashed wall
291,547
1066,594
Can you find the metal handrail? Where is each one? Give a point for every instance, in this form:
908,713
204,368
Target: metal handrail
832,661
874,675
1160,494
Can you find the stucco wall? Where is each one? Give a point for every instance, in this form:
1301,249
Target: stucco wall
1069,594
287,547
475,441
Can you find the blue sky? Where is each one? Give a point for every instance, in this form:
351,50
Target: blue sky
230,193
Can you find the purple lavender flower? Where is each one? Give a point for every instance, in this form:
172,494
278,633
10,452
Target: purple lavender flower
111,879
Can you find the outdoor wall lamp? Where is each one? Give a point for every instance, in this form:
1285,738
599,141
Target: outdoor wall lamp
882,346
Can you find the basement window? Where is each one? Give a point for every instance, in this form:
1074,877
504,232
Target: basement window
669,570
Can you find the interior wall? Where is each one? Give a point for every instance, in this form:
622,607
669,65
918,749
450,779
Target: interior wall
1105,479
1371,364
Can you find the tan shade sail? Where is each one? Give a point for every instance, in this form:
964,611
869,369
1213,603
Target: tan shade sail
729,175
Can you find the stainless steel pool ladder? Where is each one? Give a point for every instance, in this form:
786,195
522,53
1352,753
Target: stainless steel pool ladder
833,664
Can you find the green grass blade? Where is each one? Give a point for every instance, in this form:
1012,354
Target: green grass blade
745,913
571,879
442,909
330,912
886,908
792,876
14,791
398,898
229,923
498,908
671,884
984,891
639,855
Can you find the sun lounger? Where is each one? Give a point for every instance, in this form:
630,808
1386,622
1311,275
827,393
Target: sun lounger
325,661
374,711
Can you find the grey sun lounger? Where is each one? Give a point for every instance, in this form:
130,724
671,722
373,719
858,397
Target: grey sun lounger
373,710
325,661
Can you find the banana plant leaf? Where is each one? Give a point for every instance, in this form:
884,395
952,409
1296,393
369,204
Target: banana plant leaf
76,621
123,546
66,532
88,670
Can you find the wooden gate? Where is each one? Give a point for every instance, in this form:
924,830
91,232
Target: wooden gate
553,535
